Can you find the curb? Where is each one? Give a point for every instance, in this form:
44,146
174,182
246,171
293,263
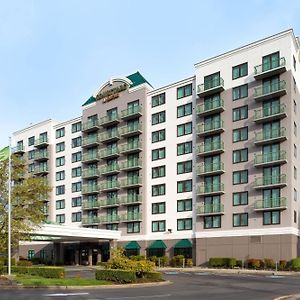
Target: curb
288,297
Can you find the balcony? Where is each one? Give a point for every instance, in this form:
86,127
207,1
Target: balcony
41,155
41,142
212,148
131,148
131,182
19,149
211,87
90,157
41,170
90,141
275,112
110,202
210,189
127,131
270,69
109,120
210,210
45,210
108,219
270,204
276,181
212,107
269,159
131,112
276,89
90,125
107,137
90,189
270,136
210,128
87,204
110,186
131,217
131,165
110,170
109,153
90,173
210,169
90,220
131,199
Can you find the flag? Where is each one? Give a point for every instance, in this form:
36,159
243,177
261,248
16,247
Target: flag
4,153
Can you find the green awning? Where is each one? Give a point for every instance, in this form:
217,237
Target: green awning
132,246
185,243
159,244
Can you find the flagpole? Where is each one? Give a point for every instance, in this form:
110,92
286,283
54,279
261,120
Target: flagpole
9,208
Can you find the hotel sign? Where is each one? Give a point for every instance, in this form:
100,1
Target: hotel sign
111,94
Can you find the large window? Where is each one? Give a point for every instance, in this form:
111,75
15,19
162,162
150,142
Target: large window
240,113
271,217
60,175
76,172
60,204
184,167
240,92
31,141
184,129
240,134
184,205
76,157
133,227
184,91
158,208
158,99
60,132
184,110
159,153
184,148
159,172
60,161
240,155
76,127
76,142
76,201
60,147
240,198
60,190
184,224
158,136
240,177
60,218
76,217
212,222
184,186
159,117
240,219
76,187
158,190
240,71
158,226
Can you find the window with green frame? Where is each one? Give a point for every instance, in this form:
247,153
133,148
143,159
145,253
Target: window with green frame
184,205
159,135
60,161
271,217
159,117
184,148
158,100
158,226
240,220
240,71
184,110
60,175
185,167
76,217
240,177
240,198
158,189
240,134
158,208
60,132
76,156
240,92
184,91
240,155
159,153
133,227
60,204
212,222
76,172
76,201
60,147
76,187
60,218
184,224
184,129
159,171
30,254
184,186
76,127
240,113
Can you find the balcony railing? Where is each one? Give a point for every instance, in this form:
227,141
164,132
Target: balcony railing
109,219
90,220
131,199
131,165
268,91
90,125
41,142
90,141
131,130
131,182
109,153
109,120
90,157
210,87
209,128
110,185
110,169
41,155
216,188
106,137
270,158
270,136
270,181
90,172
207,169
274,112
90,188
131,217
110,202
210,209
131,147
270,68
19,149
269,204
210,148
88,204
41,169
207,108
131,112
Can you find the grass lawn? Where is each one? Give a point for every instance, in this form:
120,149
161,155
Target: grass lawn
28,280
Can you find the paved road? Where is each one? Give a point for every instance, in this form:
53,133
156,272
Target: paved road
186,286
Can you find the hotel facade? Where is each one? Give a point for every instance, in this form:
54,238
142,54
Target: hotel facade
205,167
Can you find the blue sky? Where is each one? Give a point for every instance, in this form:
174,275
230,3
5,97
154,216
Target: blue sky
55,54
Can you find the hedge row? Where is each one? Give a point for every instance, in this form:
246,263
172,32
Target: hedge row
227,262
121,276
46,272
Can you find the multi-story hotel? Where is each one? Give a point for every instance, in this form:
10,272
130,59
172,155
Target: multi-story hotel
205,167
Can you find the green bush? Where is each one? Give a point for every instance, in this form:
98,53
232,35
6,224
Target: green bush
4,261
121,276
231,262
254,263
189,262
102,263
154,276
177,261
24,263
269,263
3,269
36,261
46,272
239,263
282,265
153,259
163,261
227,262
137,257
295,264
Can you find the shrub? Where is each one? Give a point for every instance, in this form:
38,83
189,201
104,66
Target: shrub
295,264
163,261
102,263
188,262
24,263
154,259
177,261
231,262
154,276
282,265
121,276
46,272
222,262
269,263
36,261
239,263
137,257
4,261
3,269
254,263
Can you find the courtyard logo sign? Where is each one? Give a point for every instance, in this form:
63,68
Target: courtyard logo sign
111,94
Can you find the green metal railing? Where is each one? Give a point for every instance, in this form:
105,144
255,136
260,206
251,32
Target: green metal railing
110,202
130,146
209,106
131,181
209,168
208,147
210,188
129,217
41,141
210,84
90,124
90,172
278,63
41,169
210,209
207,127
89,204
266,89
270,134
135,163
90,220
110,185
269,111
108,119
110,219
269,157
270,203
89,140
131,111
90,188
105,136
270,180
129,129
109,152
131,199
19,148
90,156
41,155
109,168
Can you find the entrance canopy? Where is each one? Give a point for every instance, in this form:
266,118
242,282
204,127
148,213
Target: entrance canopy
133,245
159,244
183,244
71,233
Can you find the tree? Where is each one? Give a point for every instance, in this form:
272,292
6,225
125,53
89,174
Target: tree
28,196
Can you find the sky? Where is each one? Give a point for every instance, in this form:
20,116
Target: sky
54,54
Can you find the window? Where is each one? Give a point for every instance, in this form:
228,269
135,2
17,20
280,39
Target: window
184,110
294,62
60,161
76,201
295,151
240,134
76,217
240,92
184,167
159,117
133,227
240,113
240,198
60,204
60,147
184,205
76,127
184,91
295,216
240,71
31,154
240,220
271,217
60,190
158,100
295,85
184,148
240,177
76,187
60,175
60,218
158,208
295,129
31,141
76,172
112,227
240,155
158,153
295,194
159,172
30,254
60,132
295,173
184,186
76,157
158,190
295,106
212,222
184,224
184,129
158,136
30,168
76,142
158,226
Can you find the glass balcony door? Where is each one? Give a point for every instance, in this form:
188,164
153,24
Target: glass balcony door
271,198
270,61
271,130
270,85
271,175
271,107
